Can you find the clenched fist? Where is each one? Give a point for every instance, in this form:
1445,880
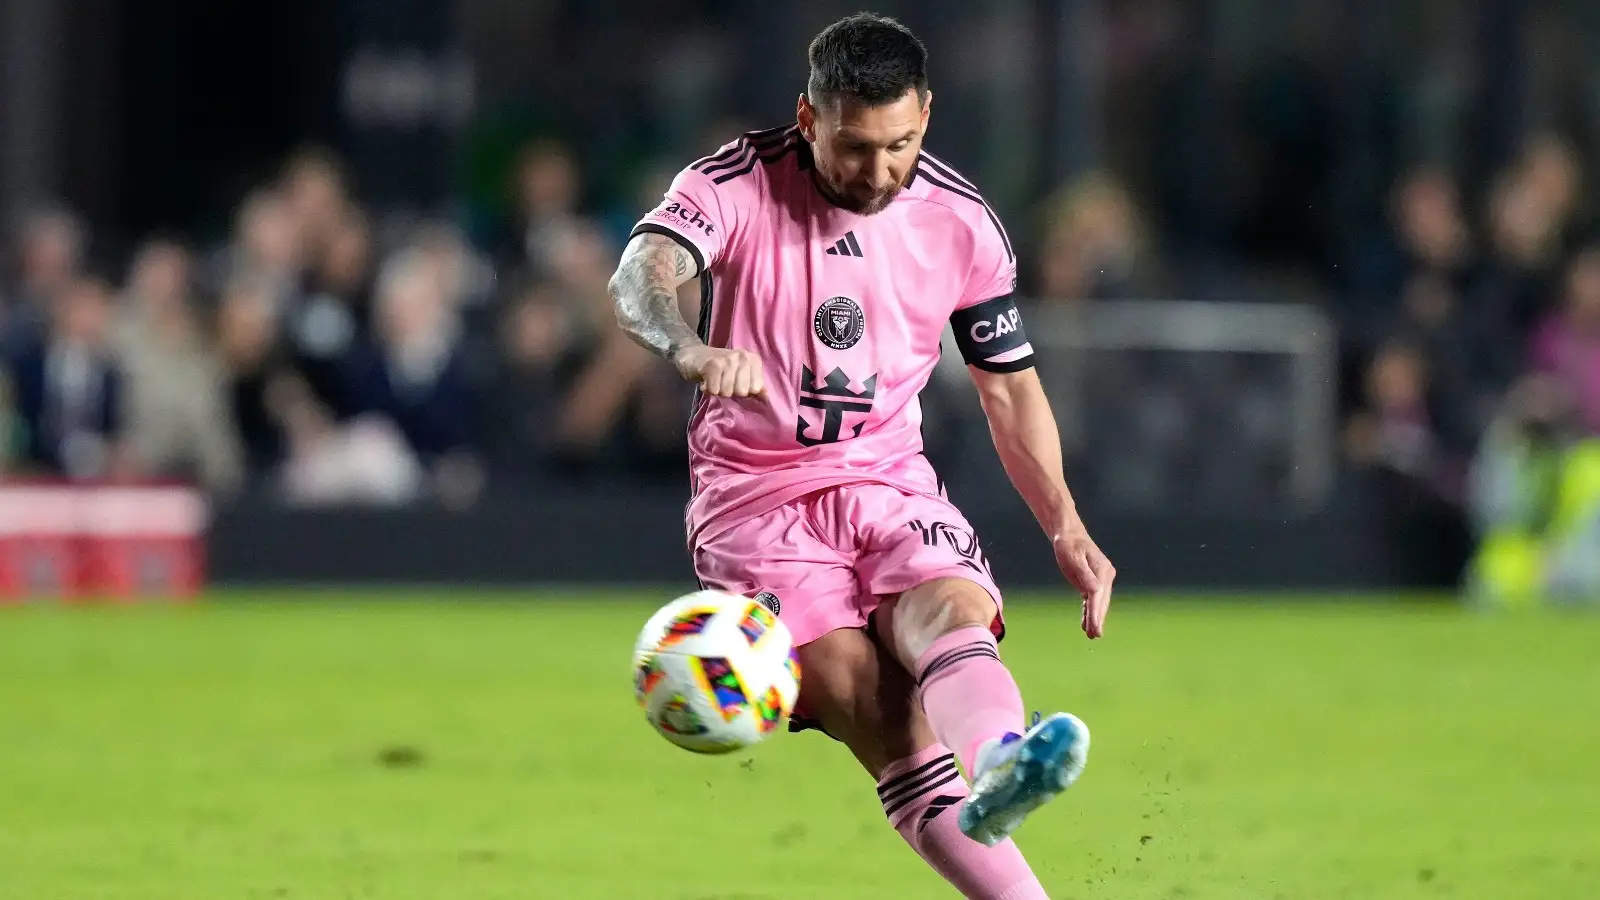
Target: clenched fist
721,372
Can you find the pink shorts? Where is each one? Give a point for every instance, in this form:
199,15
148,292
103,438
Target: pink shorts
830,557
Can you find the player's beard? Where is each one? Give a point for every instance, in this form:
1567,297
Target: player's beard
879,201
865,204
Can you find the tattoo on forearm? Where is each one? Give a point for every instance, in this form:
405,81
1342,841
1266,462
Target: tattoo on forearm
645,289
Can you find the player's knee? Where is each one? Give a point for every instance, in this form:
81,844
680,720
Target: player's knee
929,611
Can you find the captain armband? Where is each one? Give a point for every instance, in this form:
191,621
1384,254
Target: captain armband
990,336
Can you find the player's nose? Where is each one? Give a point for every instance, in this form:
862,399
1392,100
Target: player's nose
881,172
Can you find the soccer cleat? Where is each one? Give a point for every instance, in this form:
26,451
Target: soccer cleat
1021,773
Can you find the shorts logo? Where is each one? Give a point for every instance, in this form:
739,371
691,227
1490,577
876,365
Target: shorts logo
770,601
839,323
963,542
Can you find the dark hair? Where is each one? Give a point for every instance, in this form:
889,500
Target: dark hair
870,58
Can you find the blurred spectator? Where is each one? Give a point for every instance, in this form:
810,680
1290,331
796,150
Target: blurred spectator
335,312
364,461
268,246
1094,246
548,187
1431,317
1395,431
621,403
1531,210
1567,344
1410,474
68,388
343,271
1554,177
314,192
538,356
466,279
581,263
415,373
253,359
49,258
178,422
1430,237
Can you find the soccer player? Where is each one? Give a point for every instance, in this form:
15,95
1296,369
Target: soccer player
831,255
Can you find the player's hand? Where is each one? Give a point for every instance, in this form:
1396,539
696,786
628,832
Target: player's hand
721,372
1090,572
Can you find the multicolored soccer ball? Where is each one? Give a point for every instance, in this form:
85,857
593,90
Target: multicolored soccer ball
715,672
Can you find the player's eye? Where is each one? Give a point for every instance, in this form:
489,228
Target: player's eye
897,146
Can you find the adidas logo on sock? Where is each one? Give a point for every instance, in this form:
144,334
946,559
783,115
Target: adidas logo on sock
846,246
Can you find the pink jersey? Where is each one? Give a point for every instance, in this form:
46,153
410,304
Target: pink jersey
846,313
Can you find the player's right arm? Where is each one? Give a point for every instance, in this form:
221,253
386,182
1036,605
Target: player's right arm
676,242
645,291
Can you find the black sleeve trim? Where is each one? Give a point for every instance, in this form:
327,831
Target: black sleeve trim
1016,365
653,228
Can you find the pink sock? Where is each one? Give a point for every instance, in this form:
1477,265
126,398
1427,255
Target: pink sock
921,795
967,693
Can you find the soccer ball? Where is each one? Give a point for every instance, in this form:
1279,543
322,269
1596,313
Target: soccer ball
715,672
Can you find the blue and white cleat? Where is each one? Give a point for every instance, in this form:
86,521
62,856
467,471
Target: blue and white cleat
1020,773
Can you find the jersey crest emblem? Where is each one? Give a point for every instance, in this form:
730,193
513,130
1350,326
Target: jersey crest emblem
839,323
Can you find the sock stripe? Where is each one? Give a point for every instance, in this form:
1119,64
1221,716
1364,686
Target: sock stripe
890,810
919,771
960,654
911,789
935,807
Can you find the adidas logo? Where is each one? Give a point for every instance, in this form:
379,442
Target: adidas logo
846,246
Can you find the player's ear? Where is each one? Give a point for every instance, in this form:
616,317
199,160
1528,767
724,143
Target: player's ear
927,104
806,115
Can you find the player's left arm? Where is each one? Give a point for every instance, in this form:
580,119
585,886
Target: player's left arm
997,352
1029,444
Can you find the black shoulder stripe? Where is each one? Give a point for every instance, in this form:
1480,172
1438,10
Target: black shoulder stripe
758,139
778,151
943,168
971,195
771,137
950,174
735,160
720,156
767,157
768,132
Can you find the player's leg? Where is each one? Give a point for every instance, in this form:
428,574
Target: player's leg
941,616
856,691
974,706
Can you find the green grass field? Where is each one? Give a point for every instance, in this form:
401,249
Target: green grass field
467,747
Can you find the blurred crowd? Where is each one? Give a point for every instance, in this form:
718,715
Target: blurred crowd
1472,343
320,353
322,356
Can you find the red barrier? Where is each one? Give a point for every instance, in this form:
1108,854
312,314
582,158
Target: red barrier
112,542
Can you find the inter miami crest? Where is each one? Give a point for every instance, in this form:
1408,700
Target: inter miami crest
839,323
770,601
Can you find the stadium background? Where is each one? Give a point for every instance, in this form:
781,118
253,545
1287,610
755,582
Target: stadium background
1317,287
